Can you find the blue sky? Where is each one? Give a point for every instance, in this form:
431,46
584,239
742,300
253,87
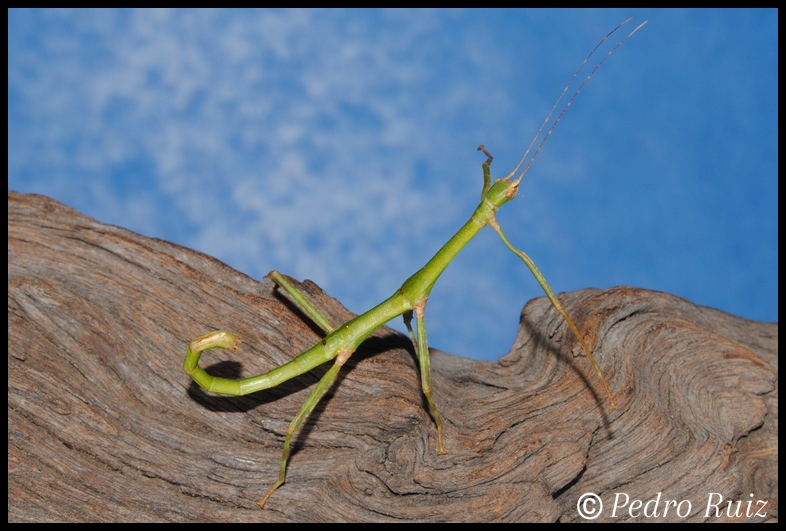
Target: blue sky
340,146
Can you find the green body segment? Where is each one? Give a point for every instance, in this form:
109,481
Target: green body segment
349,336
418,286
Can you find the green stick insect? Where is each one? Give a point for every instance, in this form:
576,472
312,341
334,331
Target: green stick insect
340,342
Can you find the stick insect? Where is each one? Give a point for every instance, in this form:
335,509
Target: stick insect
410,299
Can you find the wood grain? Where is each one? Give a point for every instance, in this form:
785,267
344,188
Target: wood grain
104,425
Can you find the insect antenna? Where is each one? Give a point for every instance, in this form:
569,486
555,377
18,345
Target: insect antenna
567,105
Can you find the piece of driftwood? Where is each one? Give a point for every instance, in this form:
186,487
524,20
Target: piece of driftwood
104,425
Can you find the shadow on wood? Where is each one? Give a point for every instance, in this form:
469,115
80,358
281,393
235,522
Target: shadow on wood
104,425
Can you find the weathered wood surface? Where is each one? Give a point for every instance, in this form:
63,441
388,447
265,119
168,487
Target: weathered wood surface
104,425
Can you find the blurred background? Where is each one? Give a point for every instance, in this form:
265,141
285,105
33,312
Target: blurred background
339,146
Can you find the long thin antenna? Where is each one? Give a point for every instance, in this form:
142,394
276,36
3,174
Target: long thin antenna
567,105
